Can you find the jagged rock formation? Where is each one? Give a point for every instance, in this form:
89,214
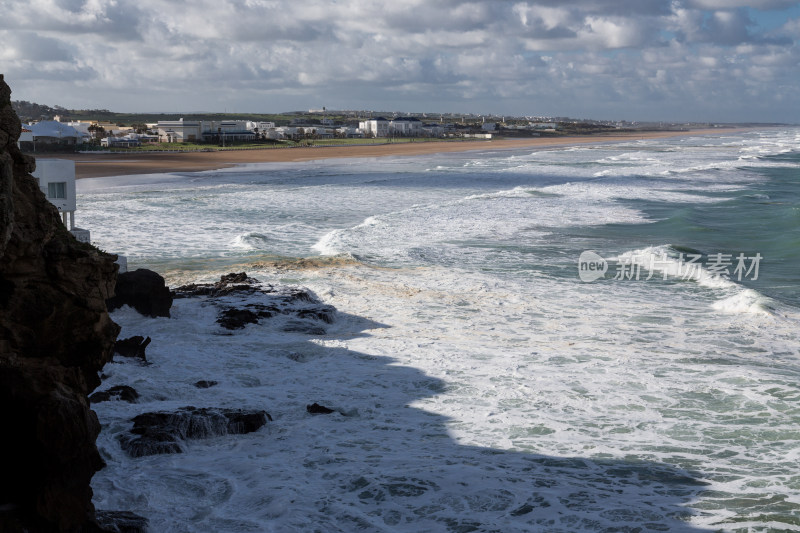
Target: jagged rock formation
163,432
301,310
144,290
55,335
133,347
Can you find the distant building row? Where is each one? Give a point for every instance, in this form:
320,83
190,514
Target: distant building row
221,132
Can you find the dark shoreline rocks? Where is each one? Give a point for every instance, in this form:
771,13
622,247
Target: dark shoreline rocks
227,284
317,409
233,318
144,290
123,393
133,347
303,311
55,336
163,432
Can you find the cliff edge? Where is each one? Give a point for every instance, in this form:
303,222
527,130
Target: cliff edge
55,335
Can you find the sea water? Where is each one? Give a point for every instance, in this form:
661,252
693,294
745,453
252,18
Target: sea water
486,386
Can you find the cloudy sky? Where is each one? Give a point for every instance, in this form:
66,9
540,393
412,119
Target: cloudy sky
702,60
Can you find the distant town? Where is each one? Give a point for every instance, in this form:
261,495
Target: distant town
56,129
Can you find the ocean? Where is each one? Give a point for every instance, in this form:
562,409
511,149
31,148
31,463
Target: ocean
593,338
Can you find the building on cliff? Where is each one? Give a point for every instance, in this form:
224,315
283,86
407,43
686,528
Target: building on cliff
56,179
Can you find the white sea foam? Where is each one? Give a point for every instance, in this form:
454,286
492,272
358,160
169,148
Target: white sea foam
485,386
675,265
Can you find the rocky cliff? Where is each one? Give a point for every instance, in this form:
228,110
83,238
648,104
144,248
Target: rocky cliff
55,335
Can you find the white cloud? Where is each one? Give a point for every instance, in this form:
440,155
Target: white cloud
735,4
664,56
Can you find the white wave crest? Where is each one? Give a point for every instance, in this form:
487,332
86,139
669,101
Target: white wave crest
250,241
689,267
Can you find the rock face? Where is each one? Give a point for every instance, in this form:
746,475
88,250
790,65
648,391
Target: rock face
144,290
163,432
55,335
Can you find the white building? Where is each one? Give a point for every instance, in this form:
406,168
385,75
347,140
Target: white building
406,126
25,135
401,126
56,179
179,131
262,126
228,131
127,141
53,132
376,127
81,127
350,133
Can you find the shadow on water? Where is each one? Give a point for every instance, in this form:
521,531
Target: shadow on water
383,465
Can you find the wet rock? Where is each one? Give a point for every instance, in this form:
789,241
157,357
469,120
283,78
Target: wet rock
227,284
132,347
120,392
317,409
294,294
264,311
163,432
304,308
55,336
232,278
236,318
205,384
145,291
325,313
118,522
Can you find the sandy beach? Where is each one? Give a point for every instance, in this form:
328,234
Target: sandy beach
94,165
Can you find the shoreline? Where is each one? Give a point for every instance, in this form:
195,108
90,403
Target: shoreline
95,165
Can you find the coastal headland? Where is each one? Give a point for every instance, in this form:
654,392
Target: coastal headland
95,165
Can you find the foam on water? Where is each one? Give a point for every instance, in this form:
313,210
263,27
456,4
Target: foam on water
734,298
486,387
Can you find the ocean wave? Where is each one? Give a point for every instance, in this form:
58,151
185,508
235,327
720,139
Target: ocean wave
331,243
669,261
250,241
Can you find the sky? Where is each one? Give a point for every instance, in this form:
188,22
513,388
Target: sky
664,60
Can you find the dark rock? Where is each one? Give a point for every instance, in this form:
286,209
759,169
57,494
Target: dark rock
227,284
120,392
144,290
264,311
55,335
325,313
283,300
300,326
132,347
228,279
295,294
117,522
317,409
236,318
204,384
163,432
